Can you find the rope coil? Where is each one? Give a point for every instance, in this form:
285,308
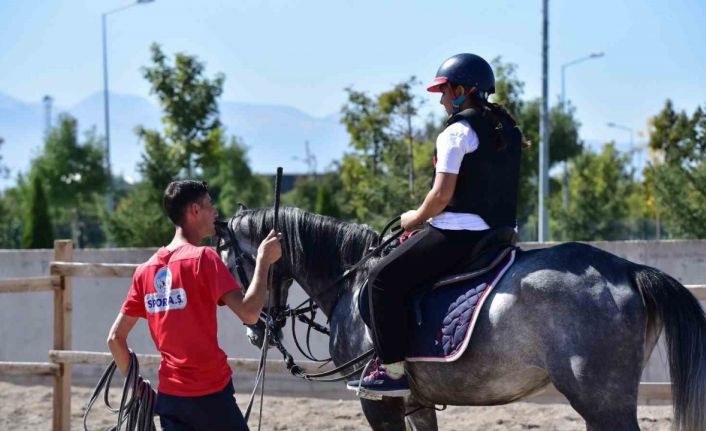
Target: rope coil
135,412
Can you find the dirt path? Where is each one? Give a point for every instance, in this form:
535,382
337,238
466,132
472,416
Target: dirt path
28,408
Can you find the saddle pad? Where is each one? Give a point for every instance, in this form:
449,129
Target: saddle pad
449,315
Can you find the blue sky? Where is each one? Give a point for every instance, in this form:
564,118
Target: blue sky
303,53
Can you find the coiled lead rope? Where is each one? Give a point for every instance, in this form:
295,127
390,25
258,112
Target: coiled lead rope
136,411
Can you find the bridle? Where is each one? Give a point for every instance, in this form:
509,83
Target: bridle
277,317
232,243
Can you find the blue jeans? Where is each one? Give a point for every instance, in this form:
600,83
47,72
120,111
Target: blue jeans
213,412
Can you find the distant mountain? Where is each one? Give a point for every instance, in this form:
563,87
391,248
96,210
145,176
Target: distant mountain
21,127
275,135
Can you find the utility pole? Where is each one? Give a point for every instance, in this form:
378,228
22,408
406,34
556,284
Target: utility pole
543,234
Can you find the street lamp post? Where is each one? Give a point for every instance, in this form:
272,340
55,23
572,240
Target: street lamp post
571,63
565,181
106,108
626,128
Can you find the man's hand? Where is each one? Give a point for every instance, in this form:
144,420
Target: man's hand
247,306
270,249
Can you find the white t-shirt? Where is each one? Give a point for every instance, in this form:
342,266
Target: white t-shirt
452,145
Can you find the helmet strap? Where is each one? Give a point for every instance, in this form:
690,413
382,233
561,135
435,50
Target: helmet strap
457,102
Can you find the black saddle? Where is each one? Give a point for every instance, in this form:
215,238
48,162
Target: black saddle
484,257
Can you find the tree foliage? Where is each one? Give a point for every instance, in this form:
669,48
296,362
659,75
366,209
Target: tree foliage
192,145
678,175
385,171
38,228
564,141
75,179
598,208
380,175
189,100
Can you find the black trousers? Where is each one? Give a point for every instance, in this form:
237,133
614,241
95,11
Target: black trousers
212,412
420,260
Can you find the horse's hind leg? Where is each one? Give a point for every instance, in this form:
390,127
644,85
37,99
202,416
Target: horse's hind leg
386,414
603,387
419,417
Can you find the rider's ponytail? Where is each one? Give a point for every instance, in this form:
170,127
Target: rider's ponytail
495,113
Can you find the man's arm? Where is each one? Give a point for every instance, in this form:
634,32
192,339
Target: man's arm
248,306
117,340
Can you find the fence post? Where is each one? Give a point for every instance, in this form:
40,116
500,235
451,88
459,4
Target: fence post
63,251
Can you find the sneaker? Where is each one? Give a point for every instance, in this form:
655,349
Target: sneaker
380,383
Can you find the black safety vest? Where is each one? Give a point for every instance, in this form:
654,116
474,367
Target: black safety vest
488,180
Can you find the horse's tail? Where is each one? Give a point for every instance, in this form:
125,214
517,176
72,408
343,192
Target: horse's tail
669,302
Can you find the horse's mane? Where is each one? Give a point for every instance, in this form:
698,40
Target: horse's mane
319,245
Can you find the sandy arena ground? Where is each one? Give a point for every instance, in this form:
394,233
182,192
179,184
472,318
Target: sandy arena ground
28,408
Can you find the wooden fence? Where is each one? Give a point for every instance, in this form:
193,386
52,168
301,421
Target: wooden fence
61,357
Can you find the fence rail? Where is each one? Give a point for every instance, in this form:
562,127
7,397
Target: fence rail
80,269
699,291
29,368
30,284
152,361
62,358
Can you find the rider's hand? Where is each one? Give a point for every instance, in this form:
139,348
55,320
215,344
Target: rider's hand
409,220
270,249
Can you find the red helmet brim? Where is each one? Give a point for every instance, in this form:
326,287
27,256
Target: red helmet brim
435,86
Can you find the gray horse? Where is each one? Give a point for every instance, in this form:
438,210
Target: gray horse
572,315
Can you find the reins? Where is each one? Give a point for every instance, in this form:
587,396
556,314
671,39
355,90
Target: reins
272,319
262,366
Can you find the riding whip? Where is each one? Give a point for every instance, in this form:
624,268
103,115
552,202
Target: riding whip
260,378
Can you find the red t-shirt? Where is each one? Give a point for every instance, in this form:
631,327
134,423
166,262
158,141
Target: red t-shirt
177,292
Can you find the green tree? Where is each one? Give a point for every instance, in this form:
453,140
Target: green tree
380,174
38,228
192,145
189,101
325,202
598,186
139,220
231,181
72,171
564,141
384,143
399,107
75,180
678,176
319,193
4,171
13,213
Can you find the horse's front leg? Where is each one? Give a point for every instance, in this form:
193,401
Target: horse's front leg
386,414
419,417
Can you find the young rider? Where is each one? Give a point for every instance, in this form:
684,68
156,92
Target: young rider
474,189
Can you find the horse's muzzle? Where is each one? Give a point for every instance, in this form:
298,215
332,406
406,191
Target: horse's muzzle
256,334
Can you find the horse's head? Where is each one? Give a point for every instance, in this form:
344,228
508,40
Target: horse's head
238,240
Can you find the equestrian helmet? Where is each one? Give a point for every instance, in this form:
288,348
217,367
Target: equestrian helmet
468,70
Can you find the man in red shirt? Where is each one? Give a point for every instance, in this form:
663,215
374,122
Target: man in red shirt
177,290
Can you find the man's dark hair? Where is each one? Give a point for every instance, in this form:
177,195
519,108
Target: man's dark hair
179,195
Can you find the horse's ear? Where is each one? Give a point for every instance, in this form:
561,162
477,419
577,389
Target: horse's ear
221,227
241,207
